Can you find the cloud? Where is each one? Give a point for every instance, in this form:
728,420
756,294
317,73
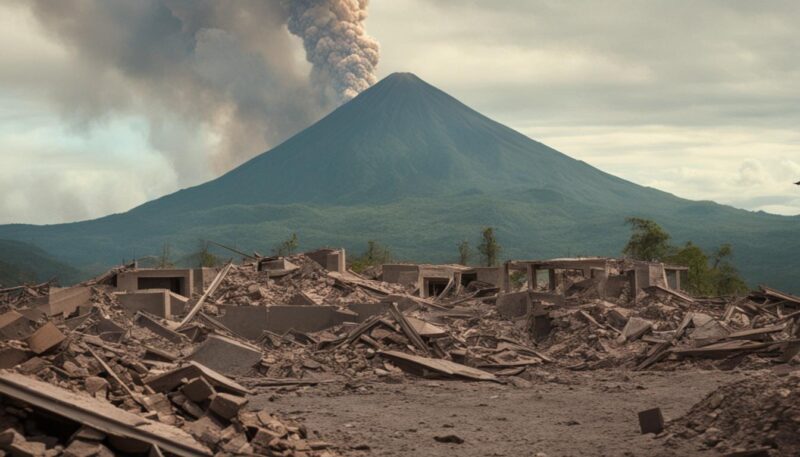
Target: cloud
699,99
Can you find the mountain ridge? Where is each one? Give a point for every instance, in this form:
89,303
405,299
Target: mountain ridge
409,165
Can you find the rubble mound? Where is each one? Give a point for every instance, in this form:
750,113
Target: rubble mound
759,413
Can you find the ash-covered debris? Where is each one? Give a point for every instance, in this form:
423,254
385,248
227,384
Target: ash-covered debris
757,416
183,349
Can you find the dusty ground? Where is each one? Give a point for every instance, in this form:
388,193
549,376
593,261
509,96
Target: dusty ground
563,414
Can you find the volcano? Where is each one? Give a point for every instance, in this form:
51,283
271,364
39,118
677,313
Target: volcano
410,166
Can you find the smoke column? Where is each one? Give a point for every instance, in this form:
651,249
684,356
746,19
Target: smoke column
336,43
216,82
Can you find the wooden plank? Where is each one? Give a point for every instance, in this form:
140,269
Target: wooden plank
211,288
774,293
408,329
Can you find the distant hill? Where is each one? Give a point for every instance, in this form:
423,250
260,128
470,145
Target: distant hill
22,263
408,165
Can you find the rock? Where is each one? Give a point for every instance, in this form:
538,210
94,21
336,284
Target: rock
227,406
198,390
449,439
96,386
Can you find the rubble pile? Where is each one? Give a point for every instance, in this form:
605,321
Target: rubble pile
183,349
761,413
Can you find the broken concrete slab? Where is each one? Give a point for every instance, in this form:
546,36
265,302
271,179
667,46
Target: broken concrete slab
63,300
426,365
170,380
45,338
277,267
635,328
227,406
226,355
513,305
156,327
198,390
11,356
330,259
15,326
100,415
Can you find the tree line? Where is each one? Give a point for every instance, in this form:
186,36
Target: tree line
709,273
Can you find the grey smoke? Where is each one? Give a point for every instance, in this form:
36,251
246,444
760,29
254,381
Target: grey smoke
215,81
336,43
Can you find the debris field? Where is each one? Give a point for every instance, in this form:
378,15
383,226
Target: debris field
166,361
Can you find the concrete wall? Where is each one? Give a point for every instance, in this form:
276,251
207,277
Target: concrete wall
400,273
128,281
330,259
251,321
492,275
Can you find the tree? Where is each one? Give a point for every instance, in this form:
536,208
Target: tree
698,278
464,252
287,246
725,276
376,254
165,259
708,274
204,256
648,241
489,247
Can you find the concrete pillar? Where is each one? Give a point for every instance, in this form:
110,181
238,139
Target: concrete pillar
531,273
505,280
554,278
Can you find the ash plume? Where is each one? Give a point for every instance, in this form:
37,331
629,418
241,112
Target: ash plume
215,82
336,43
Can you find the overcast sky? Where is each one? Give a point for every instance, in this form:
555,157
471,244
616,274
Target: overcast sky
697,98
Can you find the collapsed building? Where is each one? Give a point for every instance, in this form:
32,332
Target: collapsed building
165,360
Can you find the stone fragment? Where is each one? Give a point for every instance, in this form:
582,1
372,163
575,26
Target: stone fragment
45,338
227,406
198,390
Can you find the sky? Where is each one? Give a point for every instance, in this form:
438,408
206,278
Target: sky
104,106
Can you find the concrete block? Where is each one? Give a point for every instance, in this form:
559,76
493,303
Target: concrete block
63,300
198,390
513,305
635,328
277,267
651,421
154,326
227,406
618,317
11,356
154,301
15,326
45,338
400,273
330,259
226,355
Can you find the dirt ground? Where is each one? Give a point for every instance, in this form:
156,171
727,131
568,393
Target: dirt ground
563,414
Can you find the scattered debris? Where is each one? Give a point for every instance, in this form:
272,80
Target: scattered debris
173,355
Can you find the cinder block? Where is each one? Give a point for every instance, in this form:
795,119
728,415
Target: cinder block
651,421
